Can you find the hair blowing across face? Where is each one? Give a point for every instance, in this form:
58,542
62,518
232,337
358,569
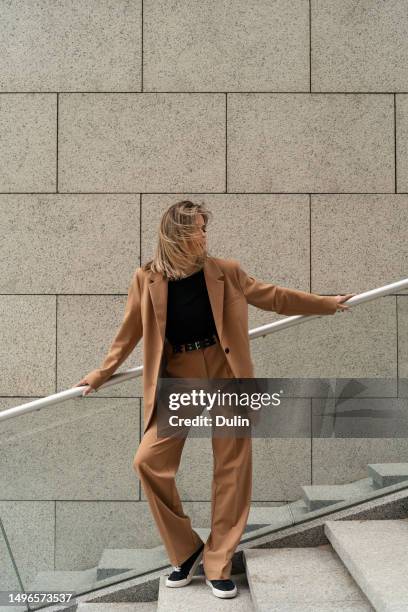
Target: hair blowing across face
180,250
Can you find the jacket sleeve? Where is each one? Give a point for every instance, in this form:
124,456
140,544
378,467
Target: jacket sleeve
127,337
283,300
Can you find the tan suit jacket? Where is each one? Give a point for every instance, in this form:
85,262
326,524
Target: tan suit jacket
230,290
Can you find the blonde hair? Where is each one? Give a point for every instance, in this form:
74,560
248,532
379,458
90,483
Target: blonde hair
179,251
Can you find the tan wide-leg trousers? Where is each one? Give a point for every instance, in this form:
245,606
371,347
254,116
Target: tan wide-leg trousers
157,461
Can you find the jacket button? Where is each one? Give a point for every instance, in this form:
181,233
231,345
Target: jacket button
227,350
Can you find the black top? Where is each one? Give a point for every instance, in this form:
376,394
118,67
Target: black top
189,314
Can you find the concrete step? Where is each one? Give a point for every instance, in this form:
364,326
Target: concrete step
387,474
376,555
150,606
198,596
276,516
310,579
65,580
114,561
320,496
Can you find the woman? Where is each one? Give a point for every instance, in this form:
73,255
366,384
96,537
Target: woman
192,310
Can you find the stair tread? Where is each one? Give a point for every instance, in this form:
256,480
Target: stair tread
338,491
150,606
132,558
280,516
375,553
301,579
389,469
198,595
64,580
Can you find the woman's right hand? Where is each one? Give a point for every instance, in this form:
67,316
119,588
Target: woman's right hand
83,382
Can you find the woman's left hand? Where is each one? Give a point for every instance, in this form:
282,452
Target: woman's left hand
343,298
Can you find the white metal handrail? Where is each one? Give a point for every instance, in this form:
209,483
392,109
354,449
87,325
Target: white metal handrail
256,332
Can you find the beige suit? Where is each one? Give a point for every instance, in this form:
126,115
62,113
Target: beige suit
157,461
230,290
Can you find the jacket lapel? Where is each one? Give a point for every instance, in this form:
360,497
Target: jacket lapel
158,295
214,278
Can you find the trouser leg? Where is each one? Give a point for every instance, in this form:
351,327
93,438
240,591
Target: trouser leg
231,487
230,503
156,462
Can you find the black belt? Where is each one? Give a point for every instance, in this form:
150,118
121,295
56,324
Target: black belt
192,346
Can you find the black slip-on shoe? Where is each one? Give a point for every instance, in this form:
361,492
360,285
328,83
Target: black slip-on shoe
222,588
183,574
